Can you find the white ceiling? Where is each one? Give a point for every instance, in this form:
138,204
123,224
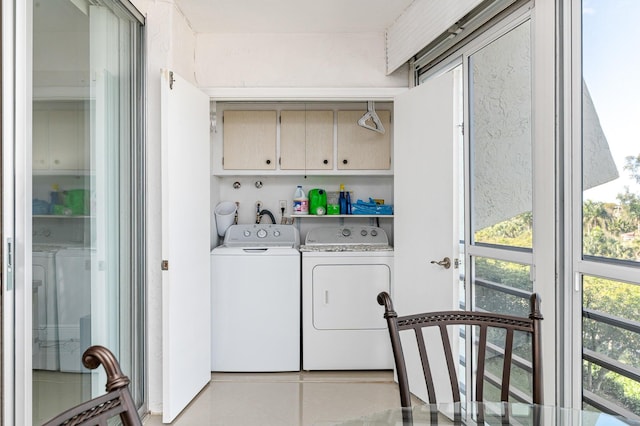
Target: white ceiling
291,16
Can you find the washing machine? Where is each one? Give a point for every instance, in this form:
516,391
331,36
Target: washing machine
73,304
255,299
45,318
343,270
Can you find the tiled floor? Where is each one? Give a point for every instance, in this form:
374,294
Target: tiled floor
54,391
288,399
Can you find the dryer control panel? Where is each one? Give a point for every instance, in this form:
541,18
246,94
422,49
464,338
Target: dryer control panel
347,235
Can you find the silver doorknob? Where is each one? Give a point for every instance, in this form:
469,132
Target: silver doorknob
445,263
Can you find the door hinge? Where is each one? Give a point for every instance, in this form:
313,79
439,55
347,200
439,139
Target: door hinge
165,265
171,80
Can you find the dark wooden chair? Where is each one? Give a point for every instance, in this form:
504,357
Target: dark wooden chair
484,321
116,402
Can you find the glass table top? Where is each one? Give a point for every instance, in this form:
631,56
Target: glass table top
489,414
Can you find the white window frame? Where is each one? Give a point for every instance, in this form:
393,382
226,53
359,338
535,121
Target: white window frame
575,266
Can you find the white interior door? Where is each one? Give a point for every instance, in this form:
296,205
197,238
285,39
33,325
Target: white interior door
425,224
186,301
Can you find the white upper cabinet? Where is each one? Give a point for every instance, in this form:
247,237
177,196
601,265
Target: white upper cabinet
360,148
296,138
249,140
59,138
306,140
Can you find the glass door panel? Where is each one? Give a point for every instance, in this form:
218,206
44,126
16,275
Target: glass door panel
500,243
85,254
607,211
500,140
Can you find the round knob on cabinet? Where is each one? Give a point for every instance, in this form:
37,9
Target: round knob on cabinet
346,232
261,233
345,161
268,161
325,162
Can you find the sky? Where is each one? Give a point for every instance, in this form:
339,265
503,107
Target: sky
611,70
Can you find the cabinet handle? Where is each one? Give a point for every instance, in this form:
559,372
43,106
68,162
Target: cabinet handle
268,161
325,162
345,161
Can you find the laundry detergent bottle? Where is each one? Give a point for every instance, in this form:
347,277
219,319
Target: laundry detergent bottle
300,202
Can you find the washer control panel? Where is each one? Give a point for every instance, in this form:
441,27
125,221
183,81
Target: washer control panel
262,235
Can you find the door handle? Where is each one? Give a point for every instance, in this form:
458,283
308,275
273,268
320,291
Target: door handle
445,263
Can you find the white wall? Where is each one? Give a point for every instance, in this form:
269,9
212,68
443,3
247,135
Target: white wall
295,60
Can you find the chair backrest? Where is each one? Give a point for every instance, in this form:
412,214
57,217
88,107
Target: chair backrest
116,402
484,321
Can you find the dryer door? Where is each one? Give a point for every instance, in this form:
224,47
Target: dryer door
344,296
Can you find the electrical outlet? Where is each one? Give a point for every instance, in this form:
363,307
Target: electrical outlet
283,205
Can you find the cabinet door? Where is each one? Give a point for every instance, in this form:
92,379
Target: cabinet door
249,140
40,140
186,284
360,148
306,140
425,153
64,140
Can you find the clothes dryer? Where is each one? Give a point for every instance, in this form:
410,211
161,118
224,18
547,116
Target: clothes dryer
343,270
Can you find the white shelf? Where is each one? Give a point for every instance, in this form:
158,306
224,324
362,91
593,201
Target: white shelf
257,173
50,172
330,216
59,216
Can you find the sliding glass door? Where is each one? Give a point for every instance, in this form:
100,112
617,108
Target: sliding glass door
87,198
606,207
